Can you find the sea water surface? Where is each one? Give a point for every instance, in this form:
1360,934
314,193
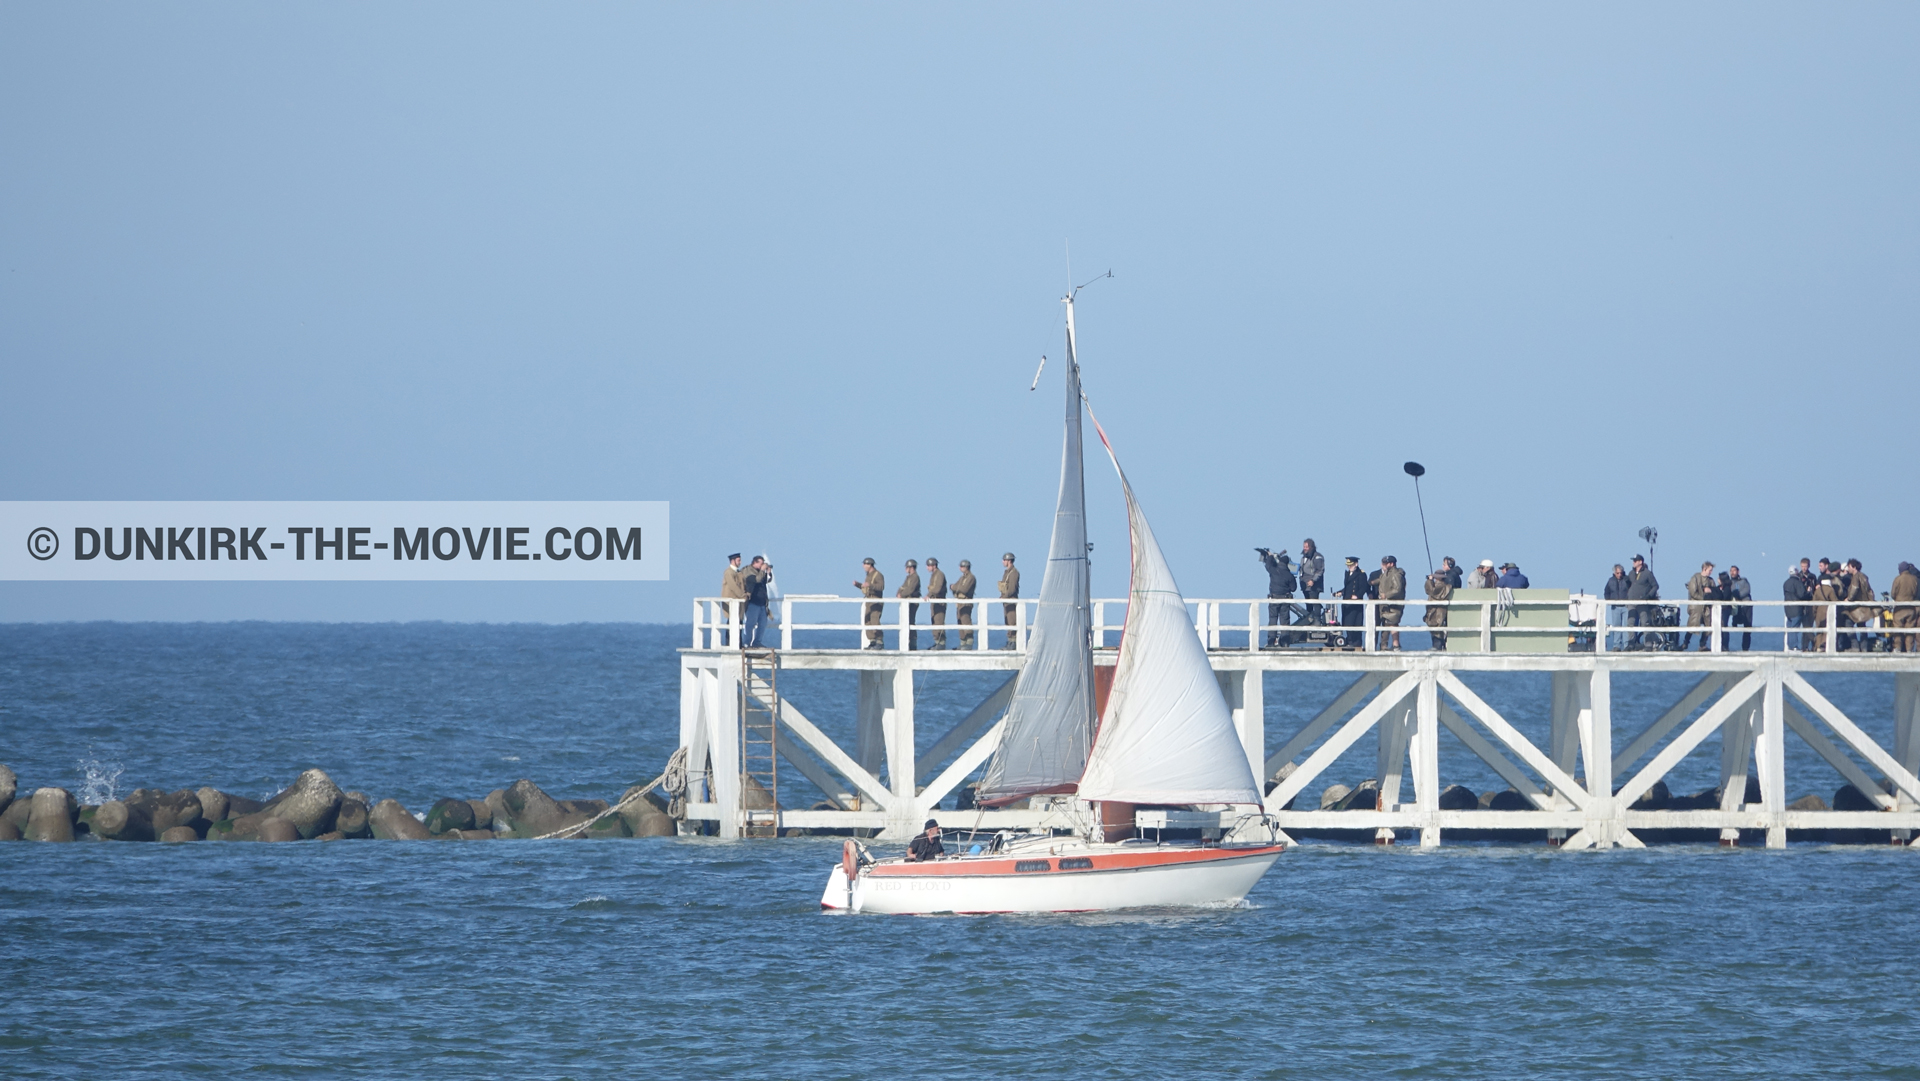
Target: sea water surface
702,958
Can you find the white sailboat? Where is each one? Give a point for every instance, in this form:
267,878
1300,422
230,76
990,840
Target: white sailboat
1165,738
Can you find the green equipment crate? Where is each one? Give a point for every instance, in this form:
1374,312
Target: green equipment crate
1545,608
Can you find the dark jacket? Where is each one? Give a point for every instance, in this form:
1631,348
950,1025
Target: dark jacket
1355,586
1742,589
1643,586
1797,587
755,583
1280,582
1513,579
1616,588
1453,576
1313,573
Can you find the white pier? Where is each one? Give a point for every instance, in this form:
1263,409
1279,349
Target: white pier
1580,785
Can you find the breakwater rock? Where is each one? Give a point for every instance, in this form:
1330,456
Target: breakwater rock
313,807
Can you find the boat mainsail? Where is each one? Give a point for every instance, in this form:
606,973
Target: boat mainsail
1167,735
1049,726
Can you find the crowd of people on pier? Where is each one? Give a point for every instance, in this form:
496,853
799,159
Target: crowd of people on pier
1816,594
1389,583
753,586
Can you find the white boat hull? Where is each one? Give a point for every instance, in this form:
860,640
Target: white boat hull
1089,878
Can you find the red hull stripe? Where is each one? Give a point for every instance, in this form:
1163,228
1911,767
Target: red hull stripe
1115,861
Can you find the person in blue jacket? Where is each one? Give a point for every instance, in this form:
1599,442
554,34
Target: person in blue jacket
1511,578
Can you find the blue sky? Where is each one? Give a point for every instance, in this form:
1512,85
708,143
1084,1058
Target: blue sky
791,268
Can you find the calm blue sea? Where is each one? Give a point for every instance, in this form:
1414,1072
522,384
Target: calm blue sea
707,959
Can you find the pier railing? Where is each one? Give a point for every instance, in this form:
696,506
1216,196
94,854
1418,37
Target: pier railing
1517,621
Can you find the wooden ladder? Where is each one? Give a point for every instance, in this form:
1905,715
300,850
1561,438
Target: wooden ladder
759,753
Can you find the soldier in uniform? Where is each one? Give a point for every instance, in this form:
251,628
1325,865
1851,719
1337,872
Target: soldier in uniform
963,591
875,585
1010,587
937,592
910,587
733,587
1354,587
1824,594
1700,587
1393,587
1859,591
1906,587
1439,590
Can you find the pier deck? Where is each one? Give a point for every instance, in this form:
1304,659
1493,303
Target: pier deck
1580,785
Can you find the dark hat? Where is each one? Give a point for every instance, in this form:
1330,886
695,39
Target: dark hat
734,556
1353,559
911,563
932,562
867,561
1638,559
1390,559
1509,566
1008,557
931,825
964,563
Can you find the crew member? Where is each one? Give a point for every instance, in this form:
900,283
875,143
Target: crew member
1643,587
1280,584
874,585
1010,587
1615,590
927,846
1452,571
1798,587
1739,589
910,587
1313,578
937,593
1483,576
755,582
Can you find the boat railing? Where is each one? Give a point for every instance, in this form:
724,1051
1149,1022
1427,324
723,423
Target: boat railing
1483,621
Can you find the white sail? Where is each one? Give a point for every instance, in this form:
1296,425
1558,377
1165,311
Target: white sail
1050,722
1167,735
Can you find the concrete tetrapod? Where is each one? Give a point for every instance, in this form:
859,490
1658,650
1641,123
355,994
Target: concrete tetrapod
450,814
352,819
647,815
213,804
51,818
392,822
165,810
530,812
9,784
180,833
17,814
116,821
310,803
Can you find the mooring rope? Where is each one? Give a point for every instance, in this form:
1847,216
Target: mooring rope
676,764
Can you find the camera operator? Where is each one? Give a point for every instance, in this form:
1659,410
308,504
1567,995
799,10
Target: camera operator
1280,583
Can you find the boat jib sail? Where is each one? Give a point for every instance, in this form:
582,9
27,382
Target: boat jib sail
1049,725
1167,735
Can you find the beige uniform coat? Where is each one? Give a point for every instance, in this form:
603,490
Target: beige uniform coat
1861,590
876,586
1393,587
